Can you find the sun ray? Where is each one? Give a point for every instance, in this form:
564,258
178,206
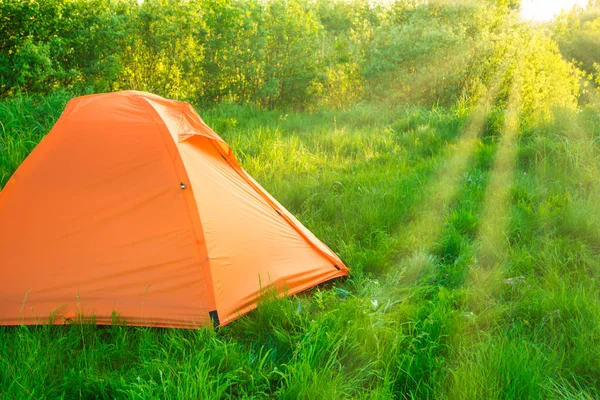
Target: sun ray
417,237
493,232
484,279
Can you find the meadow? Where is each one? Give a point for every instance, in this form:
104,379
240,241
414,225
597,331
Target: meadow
472,230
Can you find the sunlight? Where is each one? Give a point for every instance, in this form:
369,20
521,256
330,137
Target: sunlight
419,236
545,10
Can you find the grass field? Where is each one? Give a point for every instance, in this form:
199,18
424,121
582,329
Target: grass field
473,235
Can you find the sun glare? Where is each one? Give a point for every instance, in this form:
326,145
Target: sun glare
545,10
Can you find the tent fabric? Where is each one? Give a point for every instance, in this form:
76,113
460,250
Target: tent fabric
132,207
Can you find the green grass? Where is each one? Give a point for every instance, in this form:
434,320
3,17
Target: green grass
357,178
24,121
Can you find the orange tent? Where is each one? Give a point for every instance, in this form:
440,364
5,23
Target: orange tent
133,205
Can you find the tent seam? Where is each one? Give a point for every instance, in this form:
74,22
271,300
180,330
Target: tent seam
206,270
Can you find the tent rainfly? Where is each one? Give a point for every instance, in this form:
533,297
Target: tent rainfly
133,206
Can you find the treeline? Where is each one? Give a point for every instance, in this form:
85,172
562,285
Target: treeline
275,53
578,33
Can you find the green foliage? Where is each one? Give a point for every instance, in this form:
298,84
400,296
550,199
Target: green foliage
548,80
424,52
234,44
277,53
578,34
162,53
71,44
